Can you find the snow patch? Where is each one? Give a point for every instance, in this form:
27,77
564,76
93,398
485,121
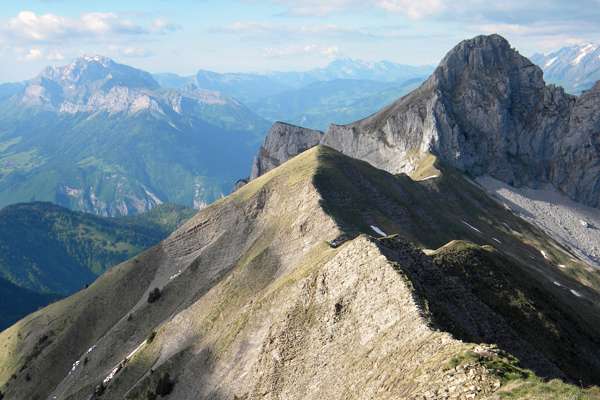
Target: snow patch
550,62
575,293
557,284
544,254
378,231
430,177
471,226
75,365
583,52
175,275
563,266
496,240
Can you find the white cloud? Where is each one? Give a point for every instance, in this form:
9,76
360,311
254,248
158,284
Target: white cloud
29,27
414,9
33,55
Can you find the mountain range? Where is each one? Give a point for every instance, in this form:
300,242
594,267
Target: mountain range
341,92
369,261
576,68
105,138
48,252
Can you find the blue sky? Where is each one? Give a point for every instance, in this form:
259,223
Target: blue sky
183,36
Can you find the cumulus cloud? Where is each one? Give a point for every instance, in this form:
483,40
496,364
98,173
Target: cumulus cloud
29,27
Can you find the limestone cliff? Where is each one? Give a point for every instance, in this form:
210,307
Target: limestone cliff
487,110
283,142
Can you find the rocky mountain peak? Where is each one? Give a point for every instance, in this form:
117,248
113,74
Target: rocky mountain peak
490,58
576,68
100,71
486,110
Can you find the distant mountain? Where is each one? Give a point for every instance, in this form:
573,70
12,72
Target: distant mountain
343,91
47,251
105,138
576,68
319,104
347,68
249,88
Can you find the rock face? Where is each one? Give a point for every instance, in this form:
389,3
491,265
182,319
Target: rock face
487,110
283,142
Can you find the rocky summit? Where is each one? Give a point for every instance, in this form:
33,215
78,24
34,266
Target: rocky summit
487,111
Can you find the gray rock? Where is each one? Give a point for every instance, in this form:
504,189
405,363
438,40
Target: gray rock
487,110
283,142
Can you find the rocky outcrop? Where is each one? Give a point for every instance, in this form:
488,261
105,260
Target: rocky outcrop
487,110
283,142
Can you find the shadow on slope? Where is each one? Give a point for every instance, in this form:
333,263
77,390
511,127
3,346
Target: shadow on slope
514,294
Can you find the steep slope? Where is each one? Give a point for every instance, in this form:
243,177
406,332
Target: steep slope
283,141
254,303
102,137
576,68
487,110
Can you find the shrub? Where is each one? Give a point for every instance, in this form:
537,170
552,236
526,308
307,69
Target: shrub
151,336
154,295
1,395
165,385
27,377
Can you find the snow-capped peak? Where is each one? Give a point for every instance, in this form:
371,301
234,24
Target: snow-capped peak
584,51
